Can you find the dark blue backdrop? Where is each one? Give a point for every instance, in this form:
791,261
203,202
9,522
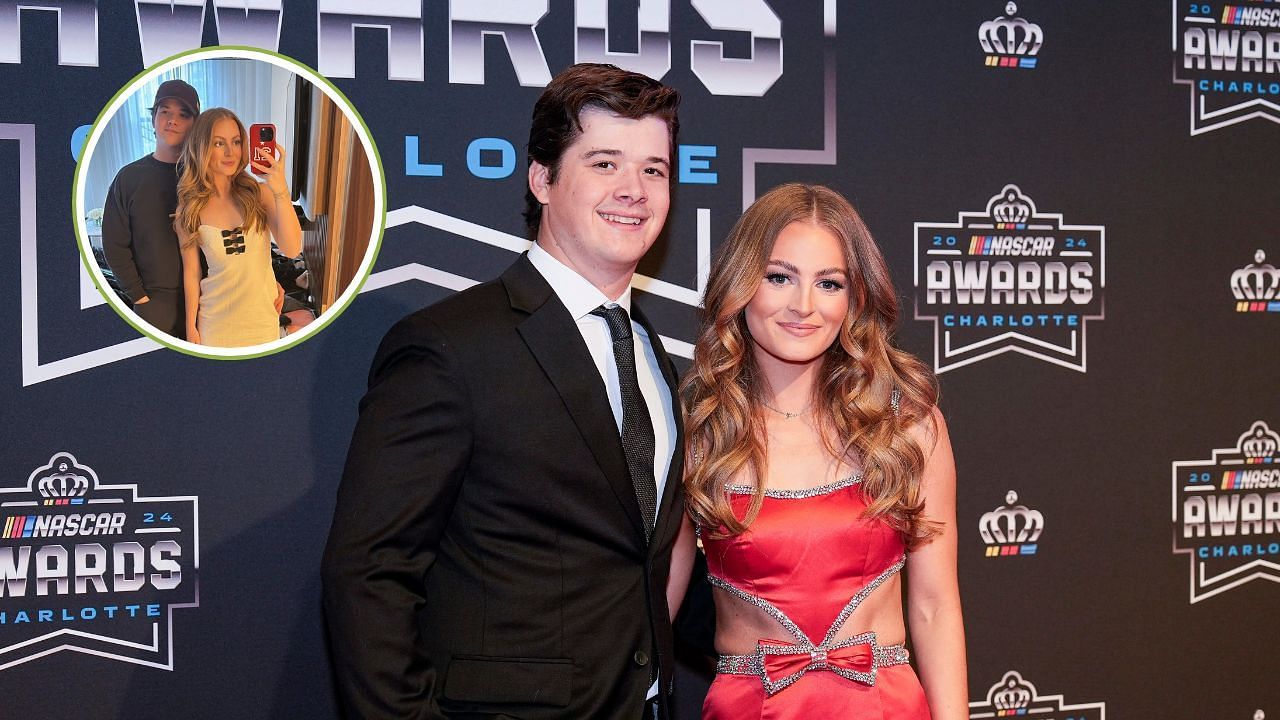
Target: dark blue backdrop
1103,617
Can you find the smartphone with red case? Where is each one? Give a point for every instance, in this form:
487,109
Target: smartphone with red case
262,144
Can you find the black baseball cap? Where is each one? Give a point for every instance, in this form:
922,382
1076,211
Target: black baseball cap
180,91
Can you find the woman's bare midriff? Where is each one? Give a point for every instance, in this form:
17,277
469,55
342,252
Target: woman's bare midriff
740,625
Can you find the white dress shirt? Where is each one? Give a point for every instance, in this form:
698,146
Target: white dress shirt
581,297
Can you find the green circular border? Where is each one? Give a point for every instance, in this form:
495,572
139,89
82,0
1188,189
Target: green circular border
352,290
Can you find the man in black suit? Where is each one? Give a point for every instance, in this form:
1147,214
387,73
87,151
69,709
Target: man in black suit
502,541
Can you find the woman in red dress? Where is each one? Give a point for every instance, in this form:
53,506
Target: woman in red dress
819,471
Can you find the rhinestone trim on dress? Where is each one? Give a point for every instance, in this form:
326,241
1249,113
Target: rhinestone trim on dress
798,494
754,664
885,656
862,594
764,605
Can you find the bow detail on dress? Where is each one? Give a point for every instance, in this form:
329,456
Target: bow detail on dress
783,663
778,663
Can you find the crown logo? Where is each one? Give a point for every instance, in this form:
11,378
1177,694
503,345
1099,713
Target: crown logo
1257,281
1014,693
1260,442
1007,35
1011,523
1011,206
64,481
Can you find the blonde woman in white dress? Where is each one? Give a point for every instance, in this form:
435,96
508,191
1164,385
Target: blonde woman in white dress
230,217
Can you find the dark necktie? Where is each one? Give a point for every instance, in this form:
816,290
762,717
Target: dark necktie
637,428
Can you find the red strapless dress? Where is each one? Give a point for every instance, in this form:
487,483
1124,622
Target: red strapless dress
808,561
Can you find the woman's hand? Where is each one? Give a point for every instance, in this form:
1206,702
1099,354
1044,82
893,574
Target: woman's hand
193,335
273,174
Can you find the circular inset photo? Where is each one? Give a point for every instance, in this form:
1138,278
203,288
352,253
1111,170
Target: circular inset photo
229,202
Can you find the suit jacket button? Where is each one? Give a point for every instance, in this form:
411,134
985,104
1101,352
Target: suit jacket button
640,658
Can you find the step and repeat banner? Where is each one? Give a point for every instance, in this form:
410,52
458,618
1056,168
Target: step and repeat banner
1078,202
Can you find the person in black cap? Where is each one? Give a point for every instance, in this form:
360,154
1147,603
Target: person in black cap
137,219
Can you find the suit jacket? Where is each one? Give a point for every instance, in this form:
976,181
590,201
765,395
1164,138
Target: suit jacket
487,557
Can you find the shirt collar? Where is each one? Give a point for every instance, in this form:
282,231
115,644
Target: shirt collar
578,295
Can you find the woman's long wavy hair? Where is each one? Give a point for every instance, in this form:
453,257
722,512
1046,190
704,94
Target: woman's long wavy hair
852,396
195,181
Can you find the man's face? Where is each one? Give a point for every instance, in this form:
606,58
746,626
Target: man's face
610,196
172,122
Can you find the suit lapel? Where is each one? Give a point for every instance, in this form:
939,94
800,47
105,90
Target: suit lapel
668,507
556,344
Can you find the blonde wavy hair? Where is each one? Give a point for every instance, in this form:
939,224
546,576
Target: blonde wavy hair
195,181
852,397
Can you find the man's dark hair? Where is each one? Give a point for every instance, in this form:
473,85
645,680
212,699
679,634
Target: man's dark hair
557,114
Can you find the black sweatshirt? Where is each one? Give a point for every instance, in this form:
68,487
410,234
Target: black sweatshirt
137,228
